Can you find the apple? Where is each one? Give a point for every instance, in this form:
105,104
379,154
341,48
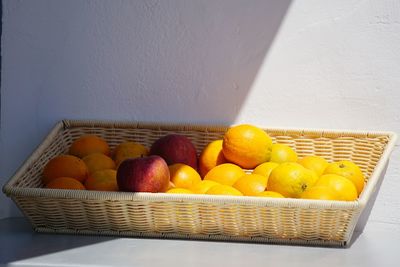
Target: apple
175,148
145,174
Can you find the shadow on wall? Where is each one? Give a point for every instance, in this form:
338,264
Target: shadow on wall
158,60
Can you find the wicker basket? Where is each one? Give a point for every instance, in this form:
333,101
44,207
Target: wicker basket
228,218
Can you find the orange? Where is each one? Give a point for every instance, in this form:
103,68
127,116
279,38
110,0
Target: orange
282,153
314,163
98,161
211,156
88,144
247,146
265,168
102,180
270,194
226,173
183,176
251,184
344,188
223,190
349,170
291,179
203,186
320,192
177,190
127,150
65,166
65,183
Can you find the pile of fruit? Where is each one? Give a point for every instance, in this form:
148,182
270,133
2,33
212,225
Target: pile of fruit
245,162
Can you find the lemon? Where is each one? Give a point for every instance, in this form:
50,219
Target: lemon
342,186
314,163
291,179
282,153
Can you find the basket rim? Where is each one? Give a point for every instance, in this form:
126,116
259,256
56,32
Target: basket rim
10,190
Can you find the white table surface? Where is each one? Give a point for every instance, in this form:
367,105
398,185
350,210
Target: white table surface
378,245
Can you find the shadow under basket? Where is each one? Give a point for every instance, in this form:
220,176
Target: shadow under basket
204,217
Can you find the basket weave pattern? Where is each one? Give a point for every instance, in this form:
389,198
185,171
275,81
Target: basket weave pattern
292,221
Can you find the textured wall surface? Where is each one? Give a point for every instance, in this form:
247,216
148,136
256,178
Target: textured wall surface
307,64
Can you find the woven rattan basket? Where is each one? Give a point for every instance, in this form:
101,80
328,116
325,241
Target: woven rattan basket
228,218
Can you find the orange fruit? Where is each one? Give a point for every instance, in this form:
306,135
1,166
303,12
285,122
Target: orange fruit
291,179
314,163
65,166
178,190
251,184
349,170
102,180
226,173
203,186
210,157
282,153
221,189
265,168
65,183
98,161
89,144
247,146
183,176
127,150
344,188
270,194
320,192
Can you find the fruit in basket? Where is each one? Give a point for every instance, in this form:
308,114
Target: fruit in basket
183,176
65,166
202,186
291,179
97,162
178,190
247,146
347,169
251,184
270,194
127,150
89,144
222,189
314,163
102,180
211,156
175,148
146,174
282,153
343,187
65,183
320,192
226,173
265,168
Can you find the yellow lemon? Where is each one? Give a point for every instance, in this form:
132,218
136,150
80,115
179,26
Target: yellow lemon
344,188
282,153
314,163
178,190
320,192
265,168
349,170
270,194
291,179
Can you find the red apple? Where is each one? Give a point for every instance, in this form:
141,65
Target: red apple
146,174
175,148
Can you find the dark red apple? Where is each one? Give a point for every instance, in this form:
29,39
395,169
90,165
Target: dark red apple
146,174
175,148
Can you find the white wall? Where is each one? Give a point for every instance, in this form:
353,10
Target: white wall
301,63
